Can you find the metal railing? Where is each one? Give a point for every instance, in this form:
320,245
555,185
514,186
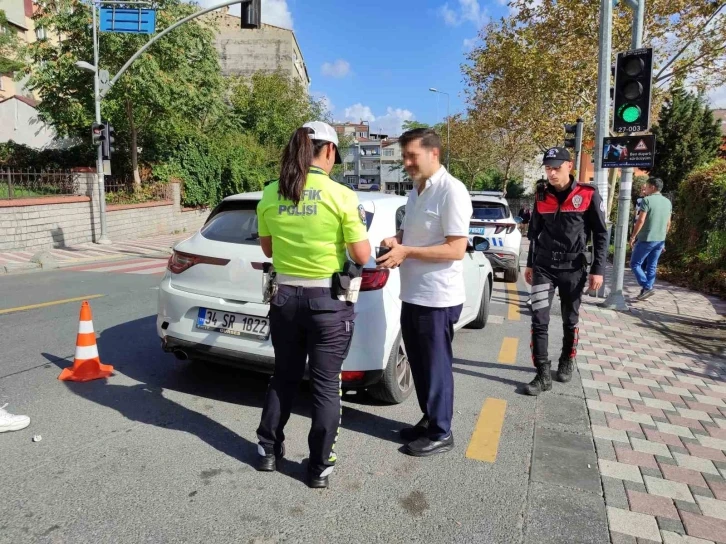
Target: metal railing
121,190
31,183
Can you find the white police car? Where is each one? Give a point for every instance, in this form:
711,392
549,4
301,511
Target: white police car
493,220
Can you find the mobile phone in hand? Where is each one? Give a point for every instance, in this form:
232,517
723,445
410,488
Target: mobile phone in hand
381,251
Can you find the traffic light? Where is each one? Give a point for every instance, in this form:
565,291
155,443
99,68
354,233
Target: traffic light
251,14
573,135
633,82
108,138
98,133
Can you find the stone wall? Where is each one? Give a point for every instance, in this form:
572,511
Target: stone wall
43,223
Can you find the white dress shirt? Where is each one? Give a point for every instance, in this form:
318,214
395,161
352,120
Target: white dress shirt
442,209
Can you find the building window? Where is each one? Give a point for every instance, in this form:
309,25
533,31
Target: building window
40,33
361,135
388,152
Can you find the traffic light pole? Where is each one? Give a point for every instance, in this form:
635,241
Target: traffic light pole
160,35
103,239
616,300
602,121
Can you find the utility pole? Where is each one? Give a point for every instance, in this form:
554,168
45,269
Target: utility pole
616,300
448,126
103,239
602,119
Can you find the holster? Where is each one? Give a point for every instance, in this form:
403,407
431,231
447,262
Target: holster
346,284
269,282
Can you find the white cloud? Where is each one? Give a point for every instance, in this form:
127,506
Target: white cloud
467,11
274,12
469,44
338,69
390,123
359,112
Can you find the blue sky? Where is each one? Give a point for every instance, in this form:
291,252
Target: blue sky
376,60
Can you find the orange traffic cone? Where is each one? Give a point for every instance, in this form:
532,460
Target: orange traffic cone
86,364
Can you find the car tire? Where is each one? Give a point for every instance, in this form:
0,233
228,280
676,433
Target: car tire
396,384
511,275
483,315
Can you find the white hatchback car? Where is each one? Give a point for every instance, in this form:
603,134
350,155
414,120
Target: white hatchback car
210,300
493,220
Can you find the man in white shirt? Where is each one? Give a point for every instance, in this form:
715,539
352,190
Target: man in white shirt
429,249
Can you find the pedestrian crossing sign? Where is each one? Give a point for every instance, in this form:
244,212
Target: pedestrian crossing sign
641,146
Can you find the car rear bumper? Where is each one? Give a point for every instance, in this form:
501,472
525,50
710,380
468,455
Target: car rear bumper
502,259
176,326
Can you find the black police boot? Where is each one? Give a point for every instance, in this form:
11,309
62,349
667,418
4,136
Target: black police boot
565,369
317,482
543,380
268,461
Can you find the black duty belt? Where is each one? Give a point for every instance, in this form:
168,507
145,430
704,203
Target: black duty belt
557,256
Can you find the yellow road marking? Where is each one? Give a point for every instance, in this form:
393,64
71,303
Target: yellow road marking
513,298
508,351
46,304
484,441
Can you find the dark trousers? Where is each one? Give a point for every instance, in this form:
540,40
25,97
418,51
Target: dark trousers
570,284
307,324
427,335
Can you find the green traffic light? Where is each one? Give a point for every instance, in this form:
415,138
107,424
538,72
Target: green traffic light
630,113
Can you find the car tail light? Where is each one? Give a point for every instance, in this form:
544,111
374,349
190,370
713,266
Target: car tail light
374,279
179,262
500,255
352,376
509,228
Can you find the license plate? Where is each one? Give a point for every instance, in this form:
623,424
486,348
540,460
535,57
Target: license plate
234,324
476,230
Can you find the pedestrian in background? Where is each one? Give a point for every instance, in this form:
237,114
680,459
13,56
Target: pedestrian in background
306,223
649,233
429,248
565,213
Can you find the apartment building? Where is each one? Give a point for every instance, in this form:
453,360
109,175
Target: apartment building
242,52
362,158
18,114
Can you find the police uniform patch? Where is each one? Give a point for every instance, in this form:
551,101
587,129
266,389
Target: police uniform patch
362,214
577,201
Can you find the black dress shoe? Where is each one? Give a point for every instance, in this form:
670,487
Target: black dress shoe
317,482
424,446
268,462
409,434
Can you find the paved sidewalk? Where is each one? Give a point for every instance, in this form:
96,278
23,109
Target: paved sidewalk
13,261
655,380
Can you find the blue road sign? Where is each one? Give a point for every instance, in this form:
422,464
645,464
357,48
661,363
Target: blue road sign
129,20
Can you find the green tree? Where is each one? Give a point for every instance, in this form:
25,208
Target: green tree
687,136
172,91
9,47
536,68
271,106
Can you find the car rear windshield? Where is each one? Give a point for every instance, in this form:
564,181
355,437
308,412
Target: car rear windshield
236,223
490,210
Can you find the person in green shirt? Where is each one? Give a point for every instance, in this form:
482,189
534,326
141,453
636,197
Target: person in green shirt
649,234
306,222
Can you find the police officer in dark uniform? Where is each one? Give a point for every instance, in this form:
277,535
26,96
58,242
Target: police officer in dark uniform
566,214
306,222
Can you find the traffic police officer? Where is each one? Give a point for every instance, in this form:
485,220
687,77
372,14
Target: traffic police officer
566,213
306,223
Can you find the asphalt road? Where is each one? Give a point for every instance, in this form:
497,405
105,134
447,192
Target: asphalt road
163,451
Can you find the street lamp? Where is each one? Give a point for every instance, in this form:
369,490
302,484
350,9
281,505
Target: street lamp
448,125
83,65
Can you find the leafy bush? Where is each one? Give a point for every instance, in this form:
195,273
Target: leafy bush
22,156
696,253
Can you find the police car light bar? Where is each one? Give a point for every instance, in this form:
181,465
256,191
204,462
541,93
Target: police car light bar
499,194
